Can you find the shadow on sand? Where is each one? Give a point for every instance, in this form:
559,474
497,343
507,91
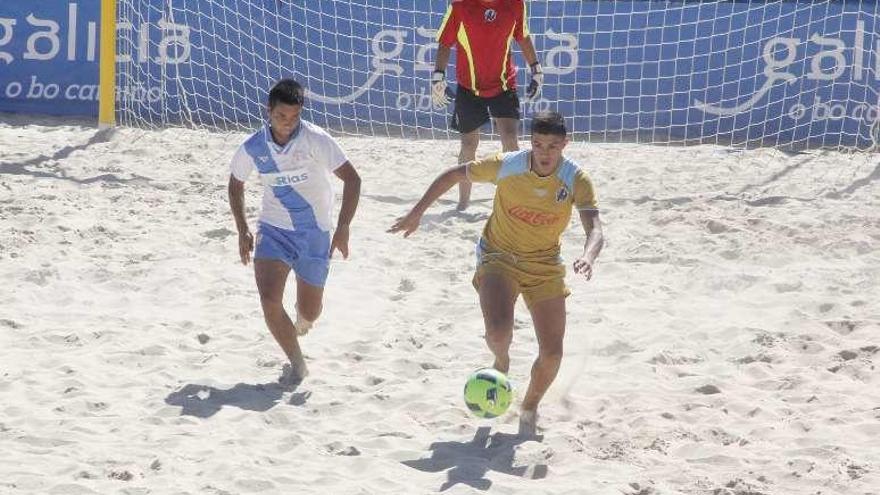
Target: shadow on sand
468,462
204,401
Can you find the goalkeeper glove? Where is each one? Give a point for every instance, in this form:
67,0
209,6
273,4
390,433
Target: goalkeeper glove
534,89
439,89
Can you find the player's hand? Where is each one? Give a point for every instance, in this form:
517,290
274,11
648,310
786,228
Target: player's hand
245,246
439,89
340,241
584,266
407,224
534,89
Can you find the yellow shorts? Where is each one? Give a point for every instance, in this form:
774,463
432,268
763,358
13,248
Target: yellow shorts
536,279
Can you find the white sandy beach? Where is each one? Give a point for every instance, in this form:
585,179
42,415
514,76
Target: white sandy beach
727,345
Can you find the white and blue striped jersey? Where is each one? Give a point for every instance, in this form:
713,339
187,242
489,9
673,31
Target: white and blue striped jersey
297,178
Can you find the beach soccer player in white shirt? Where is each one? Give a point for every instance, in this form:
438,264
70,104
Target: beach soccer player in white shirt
296,161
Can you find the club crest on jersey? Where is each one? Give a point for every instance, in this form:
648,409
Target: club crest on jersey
490,15
561,194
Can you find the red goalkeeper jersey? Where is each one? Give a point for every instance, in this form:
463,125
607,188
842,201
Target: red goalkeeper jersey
482,31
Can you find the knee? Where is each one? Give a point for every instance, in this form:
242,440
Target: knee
272,309
309,313
498,332
497,340
271,304
551,353
469,145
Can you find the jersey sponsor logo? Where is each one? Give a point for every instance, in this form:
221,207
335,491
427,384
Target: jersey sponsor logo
540,192
561,194
282,179
263,158
490,15
533,217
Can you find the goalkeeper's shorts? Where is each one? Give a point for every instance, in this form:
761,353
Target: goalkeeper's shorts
472,111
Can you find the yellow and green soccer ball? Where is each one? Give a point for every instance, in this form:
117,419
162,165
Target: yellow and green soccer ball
488,393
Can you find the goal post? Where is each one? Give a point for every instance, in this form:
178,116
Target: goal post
788,73
107,65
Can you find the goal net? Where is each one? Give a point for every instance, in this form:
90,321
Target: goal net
791,74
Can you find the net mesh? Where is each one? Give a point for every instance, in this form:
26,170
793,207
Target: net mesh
790,74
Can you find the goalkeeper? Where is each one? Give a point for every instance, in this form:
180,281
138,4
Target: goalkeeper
481,31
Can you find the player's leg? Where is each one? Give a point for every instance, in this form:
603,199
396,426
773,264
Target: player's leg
509,130
271,276
467,153
497,300
309,303
548,316
312,265
470,114
506,114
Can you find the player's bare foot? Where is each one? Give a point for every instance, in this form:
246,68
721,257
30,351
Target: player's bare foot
302,325
528,423
299,367
301,329
293,373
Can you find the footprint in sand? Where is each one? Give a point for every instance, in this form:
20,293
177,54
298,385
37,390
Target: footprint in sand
337,448
406,285
299,398
10,323
269,362
254,485
708,390
638,489
843,327
42,276
218,234
855,360
826,307
616,348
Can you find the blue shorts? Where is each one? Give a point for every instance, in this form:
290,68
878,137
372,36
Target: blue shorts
307,252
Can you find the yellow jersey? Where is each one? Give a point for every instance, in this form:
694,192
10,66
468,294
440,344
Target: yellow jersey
530,212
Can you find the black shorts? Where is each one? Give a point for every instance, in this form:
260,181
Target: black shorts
472,111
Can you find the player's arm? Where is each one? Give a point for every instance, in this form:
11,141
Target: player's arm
522,35
536,72
409,223
524,39
236,204
528,50
351,193
439,89
442,61
446,38
593,245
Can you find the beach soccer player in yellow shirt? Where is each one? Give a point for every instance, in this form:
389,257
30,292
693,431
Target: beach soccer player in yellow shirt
519,251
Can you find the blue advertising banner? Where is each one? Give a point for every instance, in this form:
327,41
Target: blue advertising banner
783,73
49,57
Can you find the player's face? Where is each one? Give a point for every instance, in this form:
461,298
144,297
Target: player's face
547,152
284,118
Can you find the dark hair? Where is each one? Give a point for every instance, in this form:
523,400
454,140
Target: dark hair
286,91
549,123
